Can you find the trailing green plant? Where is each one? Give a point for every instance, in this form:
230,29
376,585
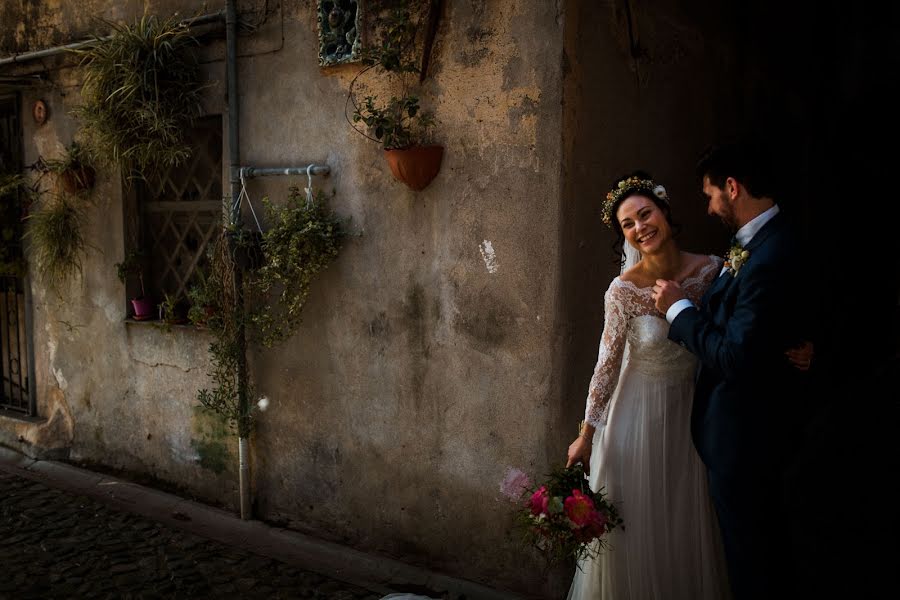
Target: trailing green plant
141,92
203,298
56,240
399,122
305,236
15,196
226,347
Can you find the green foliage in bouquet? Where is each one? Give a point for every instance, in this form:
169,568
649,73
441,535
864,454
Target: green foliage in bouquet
564,518
303,240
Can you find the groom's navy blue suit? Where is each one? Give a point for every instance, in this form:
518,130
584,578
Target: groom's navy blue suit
747,395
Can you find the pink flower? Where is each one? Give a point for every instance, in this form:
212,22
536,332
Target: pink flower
579,508
514,484
539,500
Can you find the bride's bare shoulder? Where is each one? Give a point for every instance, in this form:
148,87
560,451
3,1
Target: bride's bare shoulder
633,274
638,276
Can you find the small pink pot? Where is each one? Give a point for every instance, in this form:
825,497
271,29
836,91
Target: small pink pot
143,307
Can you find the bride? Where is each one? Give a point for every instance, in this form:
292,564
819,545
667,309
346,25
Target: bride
637,420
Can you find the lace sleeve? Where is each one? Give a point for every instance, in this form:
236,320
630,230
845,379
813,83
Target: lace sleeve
609,360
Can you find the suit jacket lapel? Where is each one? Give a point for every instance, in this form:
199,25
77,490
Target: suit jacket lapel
767,230
718,287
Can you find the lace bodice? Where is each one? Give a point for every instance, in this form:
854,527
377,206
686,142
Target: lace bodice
631,317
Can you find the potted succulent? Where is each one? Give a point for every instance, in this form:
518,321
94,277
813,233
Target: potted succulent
204,299
173,311
133,265
74,169
399,125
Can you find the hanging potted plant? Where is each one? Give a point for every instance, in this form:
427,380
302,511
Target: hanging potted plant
133,265
399,124
73,169
247,247
57,242
305,236
140,94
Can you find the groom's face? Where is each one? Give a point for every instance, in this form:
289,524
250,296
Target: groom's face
719,204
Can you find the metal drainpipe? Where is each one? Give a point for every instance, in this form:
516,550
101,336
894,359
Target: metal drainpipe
235,219
29,56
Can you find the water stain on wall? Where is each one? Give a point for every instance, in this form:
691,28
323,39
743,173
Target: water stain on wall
212,440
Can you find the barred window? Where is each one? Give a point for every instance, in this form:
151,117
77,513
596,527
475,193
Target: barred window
180,212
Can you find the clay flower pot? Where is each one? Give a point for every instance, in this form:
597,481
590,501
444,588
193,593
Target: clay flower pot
143,308
79,179
415,166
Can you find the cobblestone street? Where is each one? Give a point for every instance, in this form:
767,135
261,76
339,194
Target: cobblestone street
58,544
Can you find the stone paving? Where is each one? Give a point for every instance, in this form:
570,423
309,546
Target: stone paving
57,544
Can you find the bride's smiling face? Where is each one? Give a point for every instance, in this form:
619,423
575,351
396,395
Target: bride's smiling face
643,223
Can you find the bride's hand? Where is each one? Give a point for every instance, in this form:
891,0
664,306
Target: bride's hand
580,451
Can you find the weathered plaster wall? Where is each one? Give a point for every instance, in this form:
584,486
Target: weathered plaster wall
427,362
113,394
429,358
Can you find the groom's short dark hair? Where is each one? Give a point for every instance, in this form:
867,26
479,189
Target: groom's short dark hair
748,161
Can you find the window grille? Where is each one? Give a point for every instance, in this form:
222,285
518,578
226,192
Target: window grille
16,347
181,213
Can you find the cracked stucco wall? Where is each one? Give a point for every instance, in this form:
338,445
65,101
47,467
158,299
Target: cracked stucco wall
428,360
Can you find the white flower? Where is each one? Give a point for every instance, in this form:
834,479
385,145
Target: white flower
660,192
263,403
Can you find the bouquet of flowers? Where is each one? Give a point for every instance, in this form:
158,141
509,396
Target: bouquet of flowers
562,517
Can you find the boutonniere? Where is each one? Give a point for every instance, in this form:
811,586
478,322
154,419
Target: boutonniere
736,257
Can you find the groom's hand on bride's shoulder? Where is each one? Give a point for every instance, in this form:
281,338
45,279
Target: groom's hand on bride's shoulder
666,293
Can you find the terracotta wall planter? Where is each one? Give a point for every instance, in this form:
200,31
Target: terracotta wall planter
415,166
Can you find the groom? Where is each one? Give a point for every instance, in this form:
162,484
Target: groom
747,398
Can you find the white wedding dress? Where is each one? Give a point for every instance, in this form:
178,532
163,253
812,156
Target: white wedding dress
640,403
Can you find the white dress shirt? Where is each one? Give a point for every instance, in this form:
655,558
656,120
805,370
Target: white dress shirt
743,236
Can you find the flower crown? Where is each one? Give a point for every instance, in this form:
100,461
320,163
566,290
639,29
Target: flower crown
631,184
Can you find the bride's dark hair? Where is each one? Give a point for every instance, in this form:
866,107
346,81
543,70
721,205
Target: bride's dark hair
619,244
